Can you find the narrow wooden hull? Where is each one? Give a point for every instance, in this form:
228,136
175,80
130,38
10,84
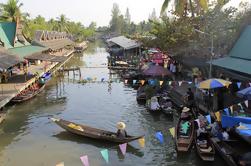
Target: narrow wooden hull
184,143
28,96
94,133
203,153
224,150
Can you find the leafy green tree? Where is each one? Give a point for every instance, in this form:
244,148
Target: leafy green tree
11,11
62,23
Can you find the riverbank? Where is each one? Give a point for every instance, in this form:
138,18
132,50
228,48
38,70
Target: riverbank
13,88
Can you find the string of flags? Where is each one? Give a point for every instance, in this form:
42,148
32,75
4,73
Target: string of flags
105,153
123,147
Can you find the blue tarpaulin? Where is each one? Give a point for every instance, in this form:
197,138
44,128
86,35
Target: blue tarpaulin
229,121
246,131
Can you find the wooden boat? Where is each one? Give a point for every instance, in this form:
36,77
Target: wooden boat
27,95
205,149
91,132
184,142
224,150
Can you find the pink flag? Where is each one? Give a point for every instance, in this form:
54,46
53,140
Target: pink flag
85,160
123,148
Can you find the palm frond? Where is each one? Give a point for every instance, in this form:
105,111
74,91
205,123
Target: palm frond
164,6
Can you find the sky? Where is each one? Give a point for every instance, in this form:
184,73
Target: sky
99,11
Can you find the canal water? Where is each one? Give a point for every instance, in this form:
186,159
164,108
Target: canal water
29,138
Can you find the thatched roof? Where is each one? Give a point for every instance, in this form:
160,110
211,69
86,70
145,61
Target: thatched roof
54,44
47,57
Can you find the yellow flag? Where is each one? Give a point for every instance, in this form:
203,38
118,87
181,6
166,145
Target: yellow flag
172,131
60,164
142,142
161,82
142,82
217,114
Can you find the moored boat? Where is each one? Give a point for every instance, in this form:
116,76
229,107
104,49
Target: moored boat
225,151
28,94
91,132
184,134
205,149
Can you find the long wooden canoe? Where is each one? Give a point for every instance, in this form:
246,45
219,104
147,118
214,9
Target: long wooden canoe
184,142
206,153
91,132
225,151
28,95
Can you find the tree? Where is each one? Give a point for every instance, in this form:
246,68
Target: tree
62,21
127,16
115,22
153,15
182,6
11,10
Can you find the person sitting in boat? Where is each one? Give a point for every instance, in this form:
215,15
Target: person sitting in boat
186,114
154,103
121,133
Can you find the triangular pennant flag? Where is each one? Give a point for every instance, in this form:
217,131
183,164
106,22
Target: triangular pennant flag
142,82
159,136
209,119
142,142
123,148
226,110
180,82
161,82
217,114
246,103
239,84
85,160
126,81
105,155
232,109
60,164
170,83
134,81
172,131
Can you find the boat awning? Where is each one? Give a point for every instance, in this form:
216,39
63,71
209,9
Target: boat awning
27,50
7,60
235,64
47,57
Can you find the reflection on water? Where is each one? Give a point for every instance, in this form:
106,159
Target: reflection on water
29,138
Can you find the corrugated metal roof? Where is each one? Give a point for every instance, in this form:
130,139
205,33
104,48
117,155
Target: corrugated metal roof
27,50
124,42
7,60
242,48
54,44
47,57
236,64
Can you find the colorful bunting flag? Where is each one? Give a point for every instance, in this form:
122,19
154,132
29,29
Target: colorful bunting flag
161,82
126,81
209,119
226,110
142,142
217,114
85,160
246,103
172,131
60,164
123,148
239,84
134,82
180,82
159,136
105,155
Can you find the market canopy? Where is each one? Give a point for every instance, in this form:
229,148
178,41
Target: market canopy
124,42
156,70
245,93
213,84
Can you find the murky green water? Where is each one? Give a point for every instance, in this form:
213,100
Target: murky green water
29,138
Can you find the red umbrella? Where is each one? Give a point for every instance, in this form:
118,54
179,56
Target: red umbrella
157,70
